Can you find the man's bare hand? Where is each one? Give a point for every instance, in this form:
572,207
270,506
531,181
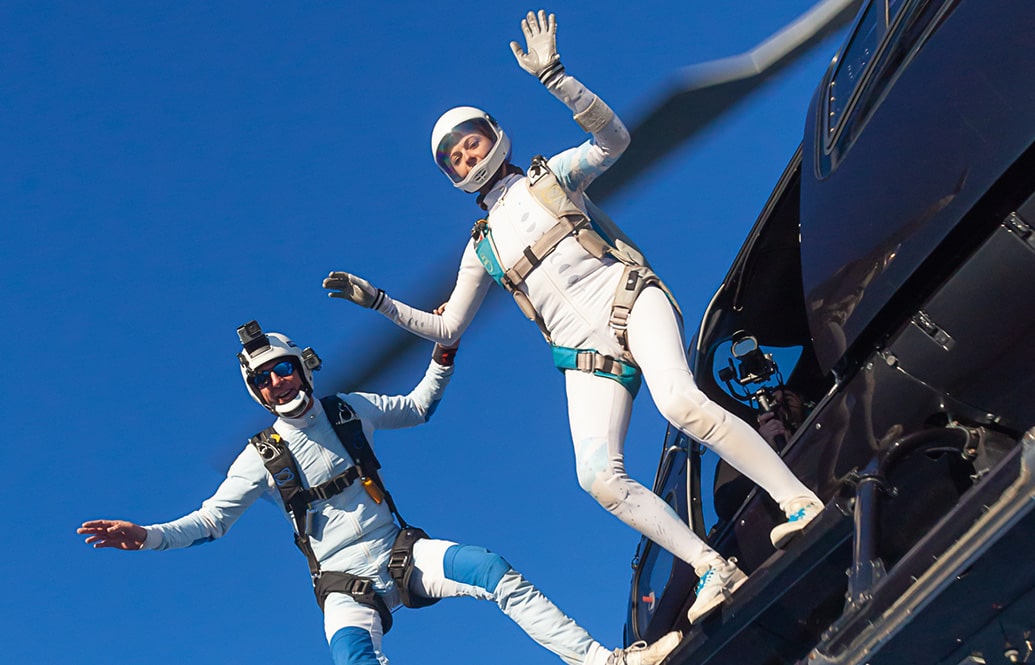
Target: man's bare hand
119,534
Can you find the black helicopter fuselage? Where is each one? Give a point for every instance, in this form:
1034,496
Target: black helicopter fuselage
896,258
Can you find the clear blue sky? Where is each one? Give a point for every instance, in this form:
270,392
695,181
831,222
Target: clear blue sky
172,170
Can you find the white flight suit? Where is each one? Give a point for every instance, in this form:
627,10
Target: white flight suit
352,533
573,293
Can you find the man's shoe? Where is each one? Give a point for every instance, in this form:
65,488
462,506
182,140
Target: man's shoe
642,654
715,586
799,514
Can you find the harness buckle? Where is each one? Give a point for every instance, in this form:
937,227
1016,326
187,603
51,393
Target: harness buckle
398,560
359,586
507,283
585,361
620,317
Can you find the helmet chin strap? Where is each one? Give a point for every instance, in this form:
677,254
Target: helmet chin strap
295,407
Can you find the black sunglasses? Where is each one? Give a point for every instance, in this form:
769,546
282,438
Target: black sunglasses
282,369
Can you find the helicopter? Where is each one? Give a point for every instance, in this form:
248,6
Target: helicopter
886,285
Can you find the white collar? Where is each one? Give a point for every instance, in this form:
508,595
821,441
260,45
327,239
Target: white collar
306,419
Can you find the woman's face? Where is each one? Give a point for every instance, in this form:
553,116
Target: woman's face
468,151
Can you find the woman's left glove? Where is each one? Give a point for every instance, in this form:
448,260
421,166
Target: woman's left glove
542,59
350,287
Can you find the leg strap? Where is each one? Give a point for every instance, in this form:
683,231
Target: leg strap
400,566
594,362
634,280
360,588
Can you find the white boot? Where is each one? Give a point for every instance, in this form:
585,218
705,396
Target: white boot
642,654
799,513
717,582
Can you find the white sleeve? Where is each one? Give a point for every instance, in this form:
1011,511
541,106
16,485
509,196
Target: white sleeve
398,411
472,283
245,482
579,166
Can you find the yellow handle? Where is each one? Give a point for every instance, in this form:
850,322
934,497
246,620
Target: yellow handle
373,490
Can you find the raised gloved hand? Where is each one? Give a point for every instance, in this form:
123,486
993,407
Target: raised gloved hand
350,287
542,59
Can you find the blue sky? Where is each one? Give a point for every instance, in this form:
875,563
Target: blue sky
172,170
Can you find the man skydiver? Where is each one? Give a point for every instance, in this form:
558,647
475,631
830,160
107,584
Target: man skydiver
605,313
364,564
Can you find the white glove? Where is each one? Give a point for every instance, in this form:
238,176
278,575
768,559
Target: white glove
542,59
350,287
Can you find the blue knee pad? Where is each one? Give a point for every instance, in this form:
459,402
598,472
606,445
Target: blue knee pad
476,566
353,646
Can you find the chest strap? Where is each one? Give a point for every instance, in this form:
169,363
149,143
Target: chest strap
547,191
485,248
349,429
282,467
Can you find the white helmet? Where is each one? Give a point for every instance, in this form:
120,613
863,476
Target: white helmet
453,126
259,349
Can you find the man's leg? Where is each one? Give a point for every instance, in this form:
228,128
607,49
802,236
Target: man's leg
444,569
353,632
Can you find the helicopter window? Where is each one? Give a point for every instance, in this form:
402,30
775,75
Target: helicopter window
855,59
853,62
749,372
658,563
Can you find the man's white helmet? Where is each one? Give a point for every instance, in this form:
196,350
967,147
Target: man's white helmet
259,349
453,126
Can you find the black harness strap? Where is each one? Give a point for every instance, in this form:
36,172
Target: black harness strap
286,476
400,566
360,588
283,468
349,429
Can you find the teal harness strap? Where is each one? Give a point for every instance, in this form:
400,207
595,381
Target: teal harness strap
594,362
481,234
483,248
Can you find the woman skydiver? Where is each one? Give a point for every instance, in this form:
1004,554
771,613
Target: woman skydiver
606,315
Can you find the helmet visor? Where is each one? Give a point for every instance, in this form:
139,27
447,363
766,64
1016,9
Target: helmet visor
468,132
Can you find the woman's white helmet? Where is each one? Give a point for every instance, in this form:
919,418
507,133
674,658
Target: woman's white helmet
259,349
453,126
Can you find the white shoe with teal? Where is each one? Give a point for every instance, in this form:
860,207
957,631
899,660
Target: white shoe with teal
717,582
799,513
641,653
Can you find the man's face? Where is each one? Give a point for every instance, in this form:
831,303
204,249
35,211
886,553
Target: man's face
278,381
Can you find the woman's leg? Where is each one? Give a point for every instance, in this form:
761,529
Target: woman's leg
598,411
656,343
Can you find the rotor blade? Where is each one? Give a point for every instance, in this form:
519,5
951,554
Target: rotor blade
703,93
699,96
